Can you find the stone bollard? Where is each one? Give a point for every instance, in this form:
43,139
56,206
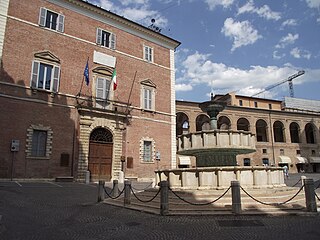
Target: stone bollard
302,180
101,192
127,192
310,195
115,189
236,197
164,198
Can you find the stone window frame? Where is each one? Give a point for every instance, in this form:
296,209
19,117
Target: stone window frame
49,59
39,127
150,86
153,153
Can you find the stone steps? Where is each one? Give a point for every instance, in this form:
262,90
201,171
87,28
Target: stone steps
222,206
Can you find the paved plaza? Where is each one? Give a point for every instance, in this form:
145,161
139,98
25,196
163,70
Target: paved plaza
54,210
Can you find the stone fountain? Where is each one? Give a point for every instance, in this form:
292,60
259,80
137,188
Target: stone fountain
215,151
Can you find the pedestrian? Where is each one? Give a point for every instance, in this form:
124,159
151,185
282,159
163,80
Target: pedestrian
286,171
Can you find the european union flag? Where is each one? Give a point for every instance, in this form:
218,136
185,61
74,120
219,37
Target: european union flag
86,73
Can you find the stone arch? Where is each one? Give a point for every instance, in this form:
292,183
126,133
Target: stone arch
310,131
182,123
101,135
261,131
243,124
202,122
294,132
224,123
278,131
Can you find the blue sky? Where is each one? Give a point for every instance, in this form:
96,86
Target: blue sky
236,45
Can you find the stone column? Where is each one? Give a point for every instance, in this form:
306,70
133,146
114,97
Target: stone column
311,204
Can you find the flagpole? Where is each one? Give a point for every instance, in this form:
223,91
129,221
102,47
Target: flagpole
83,79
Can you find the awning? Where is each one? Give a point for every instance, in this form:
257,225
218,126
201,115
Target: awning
302,160
284,159
314,159
184,160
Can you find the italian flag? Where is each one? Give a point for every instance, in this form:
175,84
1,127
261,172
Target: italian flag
114,79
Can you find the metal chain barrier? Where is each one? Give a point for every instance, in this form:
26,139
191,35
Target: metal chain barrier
109,194
145,201
317,196
137,189
296,183
272,204
318,184
200,204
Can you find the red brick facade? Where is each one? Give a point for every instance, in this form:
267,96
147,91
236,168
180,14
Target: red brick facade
69,118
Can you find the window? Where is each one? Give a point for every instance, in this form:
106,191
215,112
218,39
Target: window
246,162
39,143
313,152
264,150
51,20
281,151
148,95
148,54
265,161
147,151
298,152
102,92
240,103
106,39
45,76
270,106
255,104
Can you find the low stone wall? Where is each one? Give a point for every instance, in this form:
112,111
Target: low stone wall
220,177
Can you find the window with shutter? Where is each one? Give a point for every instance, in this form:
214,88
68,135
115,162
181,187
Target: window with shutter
52,20
148,54
102,92
147,97
106,39
45,76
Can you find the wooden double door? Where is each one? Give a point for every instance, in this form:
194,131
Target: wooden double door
100,160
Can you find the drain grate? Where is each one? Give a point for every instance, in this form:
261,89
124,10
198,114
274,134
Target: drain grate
240,223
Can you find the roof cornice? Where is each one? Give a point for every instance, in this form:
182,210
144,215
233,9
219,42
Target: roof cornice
124,22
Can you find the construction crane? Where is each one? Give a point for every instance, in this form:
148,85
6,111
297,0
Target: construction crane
289,80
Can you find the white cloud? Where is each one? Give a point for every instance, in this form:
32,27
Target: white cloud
276,55
199,69
214,3
182,87
289,22
289,39
242,33
135,10
105,4
313,3
264,11
298,53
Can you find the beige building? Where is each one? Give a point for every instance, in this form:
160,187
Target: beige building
286,132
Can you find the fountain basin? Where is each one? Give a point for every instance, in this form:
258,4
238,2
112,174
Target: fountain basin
220,177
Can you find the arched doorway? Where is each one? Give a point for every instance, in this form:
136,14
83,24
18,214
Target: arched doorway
100,154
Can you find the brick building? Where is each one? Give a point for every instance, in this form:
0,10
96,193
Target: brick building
55,121
286,132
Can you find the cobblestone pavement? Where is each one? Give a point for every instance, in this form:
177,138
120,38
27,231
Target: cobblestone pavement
50,210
